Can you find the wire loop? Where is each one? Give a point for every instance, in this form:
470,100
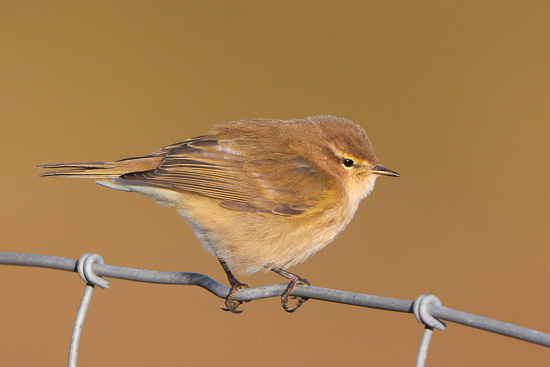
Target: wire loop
421,310
86,271
84,268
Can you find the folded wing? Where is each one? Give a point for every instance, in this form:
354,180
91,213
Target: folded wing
239,175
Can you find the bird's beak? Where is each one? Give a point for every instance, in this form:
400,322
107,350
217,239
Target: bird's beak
379,170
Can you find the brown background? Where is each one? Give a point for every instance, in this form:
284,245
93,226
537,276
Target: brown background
454,97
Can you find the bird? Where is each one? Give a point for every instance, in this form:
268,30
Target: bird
261,195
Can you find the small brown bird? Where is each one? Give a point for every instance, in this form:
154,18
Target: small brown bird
259,194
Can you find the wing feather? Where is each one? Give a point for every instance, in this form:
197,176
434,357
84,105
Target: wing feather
239,175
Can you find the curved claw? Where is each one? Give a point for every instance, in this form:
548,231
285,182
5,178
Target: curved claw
298,305
231,307
231,304
289,290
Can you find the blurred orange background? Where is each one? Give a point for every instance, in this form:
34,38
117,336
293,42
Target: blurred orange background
454,97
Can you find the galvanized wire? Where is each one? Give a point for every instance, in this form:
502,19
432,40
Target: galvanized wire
84,267
427,309
422,311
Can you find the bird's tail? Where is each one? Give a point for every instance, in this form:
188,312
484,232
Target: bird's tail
102,169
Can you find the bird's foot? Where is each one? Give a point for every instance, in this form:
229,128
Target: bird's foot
230,303
291,286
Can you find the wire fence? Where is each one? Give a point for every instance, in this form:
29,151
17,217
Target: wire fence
426,308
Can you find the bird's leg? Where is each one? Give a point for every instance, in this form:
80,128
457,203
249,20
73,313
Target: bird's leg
294,279
230,303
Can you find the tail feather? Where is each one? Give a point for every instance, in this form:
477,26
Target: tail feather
101,169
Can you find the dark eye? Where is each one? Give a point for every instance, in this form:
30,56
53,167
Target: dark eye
347,162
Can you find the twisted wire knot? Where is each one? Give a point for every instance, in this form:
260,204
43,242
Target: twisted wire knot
86,272
421,310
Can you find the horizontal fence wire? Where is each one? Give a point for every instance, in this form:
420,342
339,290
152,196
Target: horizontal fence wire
427,309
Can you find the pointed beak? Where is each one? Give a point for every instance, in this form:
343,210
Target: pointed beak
379,170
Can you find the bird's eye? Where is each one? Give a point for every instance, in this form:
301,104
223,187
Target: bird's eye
348,163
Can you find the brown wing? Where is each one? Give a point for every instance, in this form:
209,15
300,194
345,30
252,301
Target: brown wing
198,166
241,175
